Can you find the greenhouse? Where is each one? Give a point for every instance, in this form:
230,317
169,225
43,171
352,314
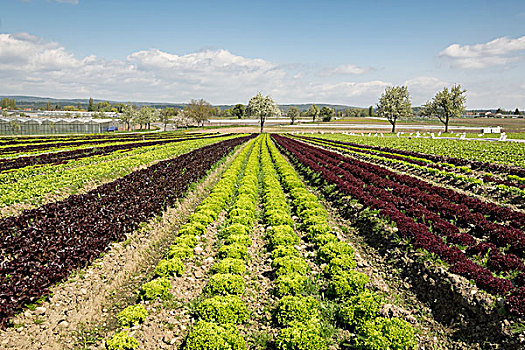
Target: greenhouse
40,126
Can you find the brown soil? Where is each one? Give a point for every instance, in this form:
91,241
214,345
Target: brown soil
258,296
168,322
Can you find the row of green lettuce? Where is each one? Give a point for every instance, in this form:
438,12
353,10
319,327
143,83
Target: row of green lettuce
358,307
223,307
181,251
509,153
471,180
32,185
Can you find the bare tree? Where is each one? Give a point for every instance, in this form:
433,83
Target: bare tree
199,111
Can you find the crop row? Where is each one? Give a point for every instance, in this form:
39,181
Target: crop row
320,164
34,184
63,157
58,140
297,312
357,307
71,144
14,151
35,149
181,251
501,157
511,184
465,211
42,246
222,306
430,199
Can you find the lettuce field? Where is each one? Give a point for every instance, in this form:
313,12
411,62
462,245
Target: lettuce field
261,241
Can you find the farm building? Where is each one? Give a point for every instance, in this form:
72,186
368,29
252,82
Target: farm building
40,126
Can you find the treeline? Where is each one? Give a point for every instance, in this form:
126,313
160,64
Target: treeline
8,103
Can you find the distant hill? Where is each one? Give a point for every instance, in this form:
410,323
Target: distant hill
41,102
38,102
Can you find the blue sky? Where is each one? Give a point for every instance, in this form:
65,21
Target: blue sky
297,51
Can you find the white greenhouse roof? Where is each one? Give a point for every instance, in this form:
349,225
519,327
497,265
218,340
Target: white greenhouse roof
55,120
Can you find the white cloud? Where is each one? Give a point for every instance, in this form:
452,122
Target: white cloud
30,65
345,69
498,52
74,2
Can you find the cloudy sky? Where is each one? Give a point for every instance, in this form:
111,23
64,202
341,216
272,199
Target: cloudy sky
225,51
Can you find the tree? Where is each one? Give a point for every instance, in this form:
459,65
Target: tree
517,112
226,112
91,108
199,111
145,116
393,104
293,114
8,103
371,111
127,115
103,107
326,114
238,111
446,104
313,112
5,103
48,106
166,116
262,107
181,120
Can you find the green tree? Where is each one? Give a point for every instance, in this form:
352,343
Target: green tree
393,104
238,111
199,111
326,114
48,106
262,107
127,115
227,112
446,104
371,111
517,112
91,107
103,107
313,112
293,114
166,116
145,116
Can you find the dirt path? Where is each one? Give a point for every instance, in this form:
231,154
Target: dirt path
259,298
81,310
167,323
